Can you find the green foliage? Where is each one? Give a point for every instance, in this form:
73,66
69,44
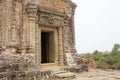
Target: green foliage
107,58
103,63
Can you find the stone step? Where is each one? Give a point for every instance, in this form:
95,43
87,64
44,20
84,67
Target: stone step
64,76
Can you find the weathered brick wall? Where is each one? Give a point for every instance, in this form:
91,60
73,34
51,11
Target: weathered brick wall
3,20
11,21
56,5
62,6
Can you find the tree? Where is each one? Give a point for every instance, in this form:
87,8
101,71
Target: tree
115,51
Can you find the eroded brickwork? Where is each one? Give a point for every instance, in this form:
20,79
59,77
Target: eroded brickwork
11,21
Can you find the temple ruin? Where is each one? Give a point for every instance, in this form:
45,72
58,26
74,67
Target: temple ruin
43,29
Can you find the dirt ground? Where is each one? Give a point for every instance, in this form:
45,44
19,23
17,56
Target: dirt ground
95,74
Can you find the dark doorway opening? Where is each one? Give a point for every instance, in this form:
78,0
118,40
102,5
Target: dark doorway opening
47,47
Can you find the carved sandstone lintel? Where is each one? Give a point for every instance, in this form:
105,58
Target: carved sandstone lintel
50,19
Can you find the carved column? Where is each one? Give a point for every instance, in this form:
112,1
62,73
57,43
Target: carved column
66,30
69,36
32,11
60,45
73,30
23,29
72,35
0,34
38,44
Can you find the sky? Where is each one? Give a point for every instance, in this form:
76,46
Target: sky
97,25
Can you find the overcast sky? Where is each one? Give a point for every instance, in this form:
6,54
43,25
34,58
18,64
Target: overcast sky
97,25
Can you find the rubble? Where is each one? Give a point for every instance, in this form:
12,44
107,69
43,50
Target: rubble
75,63
23,67
20,68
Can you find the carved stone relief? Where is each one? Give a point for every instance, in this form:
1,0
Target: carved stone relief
16,20
31,10
33,1
50,19
13,34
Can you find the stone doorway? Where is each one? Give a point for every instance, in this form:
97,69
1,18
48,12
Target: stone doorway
47,47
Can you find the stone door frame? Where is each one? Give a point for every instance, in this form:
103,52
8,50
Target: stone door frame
51,22
54,30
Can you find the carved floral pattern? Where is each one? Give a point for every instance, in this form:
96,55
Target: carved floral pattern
50,19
